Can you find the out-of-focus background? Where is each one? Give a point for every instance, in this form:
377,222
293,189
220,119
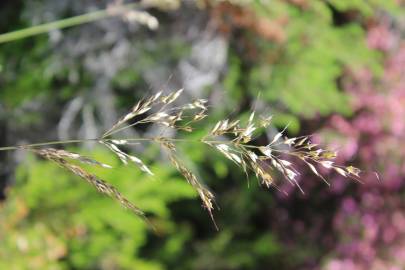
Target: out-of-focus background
333,68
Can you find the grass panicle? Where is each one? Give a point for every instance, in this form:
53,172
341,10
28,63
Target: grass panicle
232,138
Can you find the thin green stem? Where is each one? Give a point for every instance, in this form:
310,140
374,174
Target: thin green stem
22,146
64,23
15,147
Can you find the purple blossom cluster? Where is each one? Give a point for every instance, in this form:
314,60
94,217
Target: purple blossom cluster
369,224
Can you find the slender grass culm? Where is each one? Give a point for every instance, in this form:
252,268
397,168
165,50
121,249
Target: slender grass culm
232,138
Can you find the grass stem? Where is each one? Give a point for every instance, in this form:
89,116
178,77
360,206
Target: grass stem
64,23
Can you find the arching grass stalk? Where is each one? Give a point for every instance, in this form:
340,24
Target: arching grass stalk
232,138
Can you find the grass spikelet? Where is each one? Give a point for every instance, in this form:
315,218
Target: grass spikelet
70,155
172,97
124,157
101,186
264,158
206,196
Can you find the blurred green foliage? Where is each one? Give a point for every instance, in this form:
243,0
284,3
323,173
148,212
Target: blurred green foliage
299,74
53,220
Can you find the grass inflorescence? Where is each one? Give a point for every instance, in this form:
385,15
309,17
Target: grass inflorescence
232,138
